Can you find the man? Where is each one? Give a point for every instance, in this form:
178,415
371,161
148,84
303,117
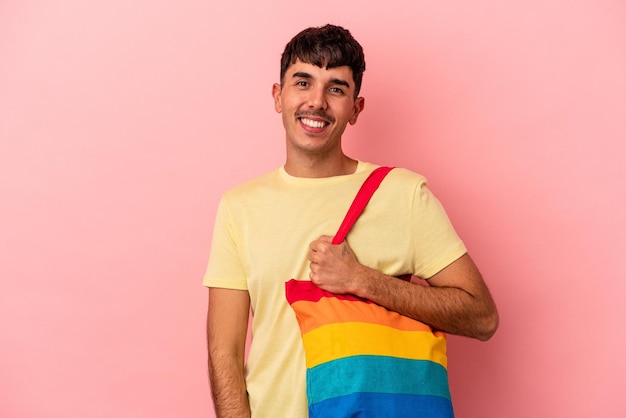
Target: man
278,227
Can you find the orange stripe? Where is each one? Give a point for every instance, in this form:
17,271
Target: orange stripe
312,315
347,339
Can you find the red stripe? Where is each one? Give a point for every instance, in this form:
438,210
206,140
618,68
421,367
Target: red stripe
297,290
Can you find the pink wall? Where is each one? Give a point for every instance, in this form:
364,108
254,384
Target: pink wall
122,122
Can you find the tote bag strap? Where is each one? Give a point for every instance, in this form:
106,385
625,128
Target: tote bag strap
360,201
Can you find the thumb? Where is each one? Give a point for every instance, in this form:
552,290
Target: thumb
326,238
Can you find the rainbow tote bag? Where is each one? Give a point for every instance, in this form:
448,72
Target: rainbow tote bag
363,360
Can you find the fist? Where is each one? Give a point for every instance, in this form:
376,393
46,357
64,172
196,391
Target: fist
334,268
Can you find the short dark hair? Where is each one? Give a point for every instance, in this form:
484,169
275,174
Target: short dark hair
327,46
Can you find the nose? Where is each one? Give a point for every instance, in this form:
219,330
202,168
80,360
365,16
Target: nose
317,99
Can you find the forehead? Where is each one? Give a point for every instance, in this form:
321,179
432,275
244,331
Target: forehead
323,73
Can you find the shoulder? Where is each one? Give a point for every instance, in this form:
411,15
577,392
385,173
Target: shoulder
405,175
399,175
250,187
404,181
398,190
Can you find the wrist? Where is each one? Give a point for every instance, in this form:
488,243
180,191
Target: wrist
363,281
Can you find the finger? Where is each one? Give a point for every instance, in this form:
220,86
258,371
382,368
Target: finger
320,242
320,246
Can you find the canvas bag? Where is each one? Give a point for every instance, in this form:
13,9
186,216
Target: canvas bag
363,360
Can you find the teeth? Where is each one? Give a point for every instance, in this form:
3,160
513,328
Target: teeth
313,123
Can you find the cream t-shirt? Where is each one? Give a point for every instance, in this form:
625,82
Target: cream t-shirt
261,239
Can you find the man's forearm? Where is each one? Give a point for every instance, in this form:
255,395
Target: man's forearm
227,323
228,387
468,312
450,310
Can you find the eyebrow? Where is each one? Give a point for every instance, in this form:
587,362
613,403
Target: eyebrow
338,81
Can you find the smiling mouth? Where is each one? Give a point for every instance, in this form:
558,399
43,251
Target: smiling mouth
317,124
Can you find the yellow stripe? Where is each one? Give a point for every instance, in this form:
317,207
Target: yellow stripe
331,310
334,341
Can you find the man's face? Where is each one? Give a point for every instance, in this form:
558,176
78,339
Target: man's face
316,105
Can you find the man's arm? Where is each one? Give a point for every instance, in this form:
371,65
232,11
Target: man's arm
456,302
227,325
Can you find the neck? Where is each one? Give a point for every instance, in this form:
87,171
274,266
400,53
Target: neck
318,168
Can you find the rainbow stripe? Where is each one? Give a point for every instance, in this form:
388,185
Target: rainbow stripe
354,371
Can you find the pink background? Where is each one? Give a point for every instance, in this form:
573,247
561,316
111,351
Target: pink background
122,122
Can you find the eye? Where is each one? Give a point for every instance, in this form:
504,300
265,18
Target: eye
302,83
336,90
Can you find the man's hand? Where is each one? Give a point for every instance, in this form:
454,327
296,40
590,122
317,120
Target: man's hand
334,268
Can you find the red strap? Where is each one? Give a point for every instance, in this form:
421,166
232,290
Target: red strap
360,201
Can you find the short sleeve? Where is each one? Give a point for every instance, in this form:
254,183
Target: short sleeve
435,238
225,268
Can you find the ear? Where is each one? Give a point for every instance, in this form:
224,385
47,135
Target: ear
276,89
359,105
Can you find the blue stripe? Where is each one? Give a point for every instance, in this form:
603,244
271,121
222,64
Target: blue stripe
376,374
379,405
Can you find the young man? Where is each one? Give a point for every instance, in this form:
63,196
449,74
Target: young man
279,226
